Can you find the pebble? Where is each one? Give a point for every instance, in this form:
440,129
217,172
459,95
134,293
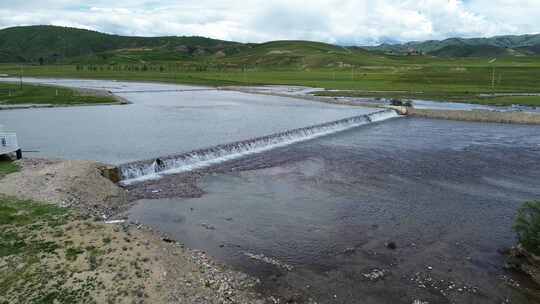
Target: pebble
375,274
391,245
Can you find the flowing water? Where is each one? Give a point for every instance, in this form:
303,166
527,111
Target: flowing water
313,219
152,169
164,119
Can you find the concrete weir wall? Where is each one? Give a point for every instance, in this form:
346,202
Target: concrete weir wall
479,116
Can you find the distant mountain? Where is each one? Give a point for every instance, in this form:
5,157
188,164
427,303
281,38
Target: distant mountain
473,47
53,44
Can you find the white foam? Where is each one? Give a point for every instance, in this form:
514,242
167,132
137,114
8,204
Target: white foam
148,170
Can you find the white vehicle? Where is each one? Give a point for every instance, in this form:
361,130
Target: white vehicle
8,143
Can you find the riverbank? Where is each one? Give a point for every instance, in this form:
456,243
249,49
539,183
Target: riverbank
438,111
304,93
57,247
531,99
439,79
426,109
15,96
477,116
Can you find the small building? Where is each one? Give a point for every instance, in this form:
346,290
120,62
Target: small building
9,144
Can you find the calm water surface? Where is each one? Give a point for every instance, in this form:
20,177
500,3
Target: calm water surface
162,120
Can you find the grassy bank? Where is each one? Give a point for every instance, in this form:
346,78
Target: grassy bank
53,255
398,77
7,167
442,96
49,255
14,94
25,253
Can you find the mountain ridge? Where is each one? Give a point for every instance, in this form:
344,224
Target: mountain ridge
528,44
47,44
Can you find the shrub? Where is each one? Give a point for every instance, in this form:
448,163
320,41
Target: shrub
527,226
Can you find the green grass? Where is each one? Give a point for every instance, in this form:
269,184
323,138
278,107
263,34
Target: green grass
13,94
25,276
464,97
533,101
316,65
527,226
7,167
14,212
73,253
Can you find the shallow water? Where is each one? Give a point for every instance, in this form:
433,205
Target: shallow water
445,192
163,119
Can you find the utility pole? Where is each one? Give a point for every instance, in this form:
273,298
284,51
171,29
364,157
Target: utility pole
493,80
21,77
492,61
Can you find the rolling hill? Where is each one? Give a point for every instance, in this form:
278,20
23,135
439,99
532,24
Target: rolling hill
473,47
63,45
51,44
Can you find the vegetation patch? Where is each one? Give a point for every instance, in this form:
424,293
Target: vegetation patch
15,94
49,254
527,227
8,167
464,97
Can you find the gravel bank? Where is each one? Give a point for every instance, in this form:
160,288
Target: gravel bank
108,263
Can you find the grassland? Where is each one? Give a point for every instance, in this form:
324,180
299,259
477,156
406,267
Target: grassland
7,167
435,79
54,255
533,101
21,225
14,94
316,65
51,255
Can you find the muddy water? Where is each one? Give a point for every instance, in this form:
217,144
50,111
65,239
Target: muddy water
312,220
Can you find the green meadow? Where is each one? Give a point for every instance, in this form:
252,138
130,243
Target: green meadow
16,94
445,80
355,70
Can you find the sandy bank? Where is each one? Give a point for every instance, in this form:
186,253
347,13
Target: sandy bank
75,184
305,95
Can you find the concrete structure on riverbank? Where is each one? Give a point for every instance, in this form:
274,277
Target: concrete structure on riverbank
478,116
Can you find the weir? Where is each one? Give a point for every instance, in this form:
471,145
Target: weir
171,164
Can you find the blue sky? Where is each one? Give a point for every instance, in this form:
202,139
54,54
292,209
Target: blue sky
350,22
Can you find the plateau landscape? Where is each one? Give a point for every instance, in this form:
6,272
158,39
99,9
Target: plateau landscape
270,152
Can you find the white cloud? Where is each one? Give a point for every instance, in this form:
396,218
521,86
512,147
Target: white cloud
336,21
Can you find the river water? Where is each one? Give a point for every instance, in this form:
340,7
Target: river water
312,219
163,119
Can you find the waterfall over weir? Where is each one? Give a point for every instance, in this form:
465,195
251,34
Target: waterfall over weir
153,169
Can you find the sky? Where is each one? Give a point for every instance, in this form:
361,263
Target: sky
345,22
